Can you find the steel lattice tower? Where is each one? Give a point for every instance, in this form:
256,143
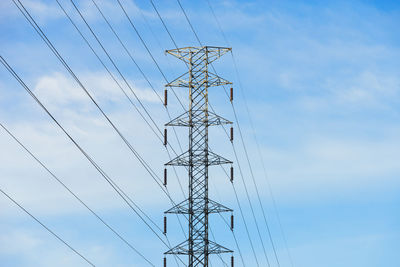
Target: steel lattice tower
198,158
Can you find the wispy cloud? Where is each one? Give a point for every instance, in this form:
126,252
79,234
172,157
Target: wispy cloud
59,90
321,80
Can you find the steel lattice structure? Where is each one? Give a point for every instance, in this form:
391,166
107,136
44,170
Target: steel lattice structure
198,158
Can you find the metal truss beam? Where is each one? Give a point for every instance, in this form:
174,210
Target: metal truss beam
198,157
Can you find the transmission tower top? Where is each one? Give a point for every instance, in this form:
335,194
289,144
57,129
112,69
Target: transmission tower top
213,52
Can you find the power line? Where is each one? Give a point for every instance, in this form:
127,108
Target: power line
116,67
54,50
218,255
251,206
45,227
257,192
139,34
218,23
111,75
236,119
143,42
120,192
238,201
108,55
73,194
150,28
176,46
89,96
112,61
227,224
163,23
190,24
147,49
141,71
258,146
115,80
61,59
133,206
155,62
123,45
243,218
198,206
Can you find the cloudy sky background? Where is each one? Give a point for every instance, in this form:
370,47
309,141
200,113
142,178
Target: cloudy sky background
322,84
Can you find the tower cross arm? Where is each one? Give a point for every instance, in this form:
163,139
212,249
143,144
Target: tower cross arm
186,53
211,81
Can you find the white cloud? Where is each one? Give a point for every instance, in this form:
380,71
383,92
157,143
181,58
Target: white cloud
328,166
47,11
112,11
58,90
30,181
42,11
369,88
18,239
36,245
311,65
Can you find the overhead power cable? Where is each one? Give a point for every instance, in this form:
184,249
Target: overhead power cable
133,206
146,21
147,49
74,195
134,27
129,54
104,48
218,23
190,24
258,147
113,62
251,207
153,59
257,191
113,77
144,76
115,80
236,119
163,23
67,67
176,46
47,228
54,50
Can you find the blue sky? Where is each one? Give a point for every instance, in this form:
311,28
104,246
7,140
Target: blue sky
322,83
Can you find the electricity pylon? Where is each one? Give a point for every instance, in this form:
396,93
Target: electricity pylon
198,158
